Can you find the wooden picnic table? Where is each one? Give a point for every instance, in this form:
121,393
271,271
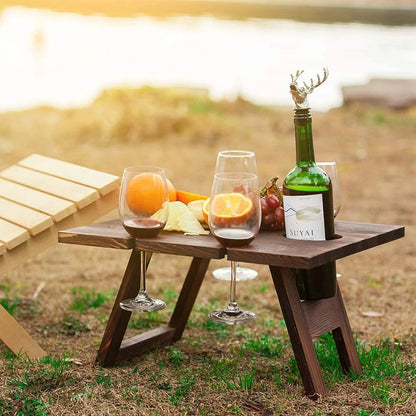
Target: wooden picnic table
305,320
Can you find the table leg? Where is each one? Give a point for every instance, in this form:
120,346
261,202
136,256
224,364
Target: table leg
344,340
119,319
113,349
298,330
309,319
188,296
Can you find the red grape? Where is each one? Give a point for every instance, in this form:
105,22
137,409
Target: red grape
243,189
268,219
273,216
239,188
274,226
273,201
279,215
265,209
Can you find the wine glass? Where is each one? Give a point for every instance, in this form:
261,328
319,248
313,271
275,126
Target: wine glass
235,161
234,220
331,169
143,206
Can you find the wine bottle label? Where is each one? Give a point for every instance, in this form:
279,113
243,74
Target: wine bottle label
304,217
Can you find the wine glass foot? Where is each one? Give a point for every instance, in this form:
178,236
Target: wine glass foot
243,273
232,317
142,304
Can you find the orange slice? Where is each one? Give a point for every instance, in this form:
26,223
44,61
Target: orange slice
231,209
205,209
187,197
196,208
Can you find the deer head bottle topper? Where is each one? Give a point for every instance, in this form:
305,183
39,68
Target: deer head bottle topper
300,94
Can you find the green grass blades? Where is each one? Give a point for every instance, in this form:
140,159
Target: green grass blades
391,378
264,346
30,380
229,373
83,300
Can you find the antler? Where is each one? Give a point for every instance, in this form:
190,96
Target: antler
296,76
300,94
310,88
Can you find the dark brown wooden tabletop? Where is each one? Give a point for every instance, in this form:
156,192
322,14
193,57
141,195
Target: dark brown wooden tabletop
112,234
271,248
274,249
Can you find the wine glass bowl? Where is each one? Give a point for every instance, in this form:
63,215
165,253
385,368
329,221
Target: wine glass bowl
234,221
143,193
143,208
235,161
234,208
331,170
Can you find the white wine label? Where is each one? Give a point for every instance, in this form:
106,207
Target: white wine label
304,217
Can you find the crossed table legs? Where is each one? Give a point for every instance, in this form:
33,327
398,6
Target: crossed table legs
304,321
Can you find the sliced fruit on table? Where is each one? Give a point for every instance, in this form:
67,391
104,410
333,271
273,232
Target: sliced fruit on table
205,209
187,197
196,207
182,219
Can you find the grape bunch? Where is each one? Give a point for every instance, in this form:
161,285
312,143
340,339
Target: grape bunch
272,213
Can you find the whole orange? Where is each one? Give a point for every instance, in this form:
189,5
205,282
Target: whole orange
145,194
172,191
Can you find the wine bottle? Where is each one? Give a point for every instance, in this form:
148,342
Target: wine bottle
307,202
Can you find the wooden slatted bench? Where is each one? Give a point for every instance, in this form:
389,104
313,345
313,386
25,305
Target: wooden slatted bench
38,197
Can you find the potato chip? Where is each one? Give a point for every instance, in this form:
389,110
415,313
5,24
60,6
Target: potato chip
182,219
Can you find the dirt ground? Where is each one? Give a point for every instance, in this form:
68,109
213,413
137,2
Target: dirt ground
375,150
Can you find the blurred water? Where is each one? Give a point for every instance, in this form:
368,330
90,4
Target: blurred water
65,60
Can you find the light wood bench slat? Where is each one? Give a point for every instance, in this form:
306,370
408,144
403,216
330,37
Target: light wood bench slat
34,221
33,194
79,194
57,208
16,338
49,237
12,235
103,182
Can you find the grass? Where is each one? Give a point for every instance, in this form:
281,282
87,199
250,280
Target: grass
181,372
84,299
9,300
213,369
385,369
30,382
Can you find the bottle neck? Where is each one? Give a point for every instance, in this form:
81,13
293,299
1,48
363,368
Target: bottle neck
305,155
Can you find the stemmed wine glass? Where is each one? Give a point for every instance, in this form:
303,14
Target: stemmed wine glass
235,161
234,220
331,169
143,206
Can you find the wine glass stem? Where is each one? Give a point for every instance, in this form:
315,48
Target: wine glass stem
142,282
233,286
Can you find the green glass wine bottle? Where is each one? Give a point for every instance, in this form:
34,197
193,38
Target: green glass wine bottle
308,206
